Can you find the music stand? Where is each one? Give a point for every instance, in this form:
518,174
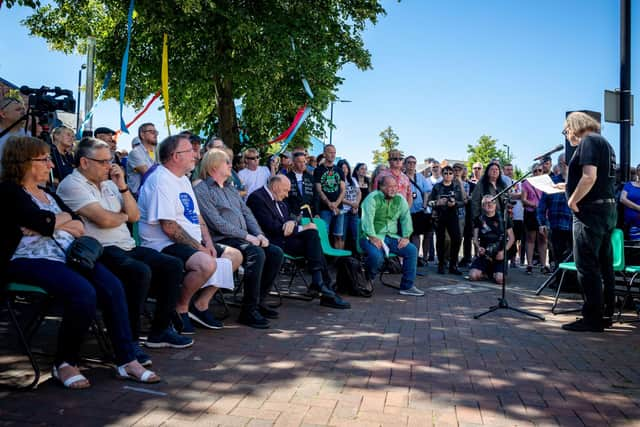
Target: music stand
502,301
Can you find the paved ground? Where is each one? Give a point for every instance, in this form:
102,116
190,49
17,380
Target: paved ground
391,360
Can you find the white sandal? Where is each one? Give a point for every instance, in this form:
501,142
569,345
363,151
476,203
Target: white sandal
69,382
147,377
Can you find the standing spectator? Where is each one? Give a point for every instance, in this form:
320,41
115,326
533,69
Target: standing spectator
467,232
546,165
553,209
395,171
109,136
490,184
142,157
196,146
436,173
515,195
447,198
420,210
591,190
329,185
253,176
360,174
97,192
312,164
234,225
350,205
530,199
285,163
464,187
630,198
476,172
301,185
381,212
170,222
62,152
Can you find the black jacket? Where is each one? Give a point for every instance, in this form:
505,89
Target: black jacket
295,200
267,215
21,211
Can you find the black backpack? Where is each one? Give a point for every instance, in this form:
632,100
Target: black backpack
351,278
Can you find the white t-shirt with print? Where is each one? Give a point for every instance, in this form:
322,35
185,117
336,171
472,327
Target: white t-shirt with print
77,192
254,180
169,197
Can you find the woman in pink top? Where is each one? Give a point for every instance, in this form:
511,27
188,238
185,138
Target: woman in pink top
530,199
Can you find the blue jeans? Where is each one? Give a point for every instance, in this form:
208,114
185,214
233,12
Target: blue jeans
79,296
375,259
335,223
351,225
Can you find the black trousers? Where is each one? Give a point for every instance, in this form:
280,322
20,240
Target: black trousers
307,244
139,270
261,266
448,222
593,254
561,241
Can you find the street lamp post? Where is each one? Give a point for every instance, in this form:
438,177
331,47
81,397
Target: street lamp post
508,151
331,119
78,99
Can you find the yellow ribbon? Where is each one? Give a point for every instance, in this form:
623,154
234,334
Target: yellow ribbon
165,80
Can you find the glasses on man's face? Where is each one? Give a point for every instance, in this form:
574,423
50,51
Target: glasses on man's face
153,131
43,160
396,159
477,168
8,102
103,162
183,151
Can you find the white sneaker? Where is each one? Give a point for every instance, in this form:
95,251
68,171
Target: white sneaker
412,291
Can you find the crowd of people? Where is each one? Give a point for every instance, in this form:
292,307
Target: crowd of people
200,212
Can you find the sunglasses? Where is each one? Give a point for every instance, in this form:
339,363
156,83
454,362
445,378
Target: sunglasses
447,173
395,159
537,170
477,168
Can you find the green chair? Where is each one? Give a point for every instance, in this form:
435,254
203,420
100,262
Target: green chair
634,271
617,243
19,293
327,249
383,269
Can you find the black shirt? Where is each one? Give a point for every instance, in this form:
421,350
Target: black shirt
329,180
596,151
490,229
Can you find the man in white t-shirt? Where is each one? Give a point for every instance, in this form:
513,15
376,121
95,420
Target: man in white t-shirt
170,222
253,176
96,190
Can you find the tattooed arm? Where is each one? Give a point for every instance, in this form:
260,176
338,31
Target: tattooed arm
178,234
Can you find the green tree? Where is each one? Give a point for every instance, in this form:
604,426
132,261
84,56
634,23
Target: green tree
389,141
220,51
485,150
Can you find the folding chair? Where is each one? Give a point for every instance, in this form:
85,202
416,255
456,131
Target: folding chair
293,263
634,271
383,268
617,243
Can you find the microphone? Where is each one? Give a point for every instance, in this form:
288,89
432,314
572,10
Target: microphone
555,149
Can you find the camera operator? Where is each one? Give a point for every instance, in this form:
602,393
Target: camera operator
487,238
12,110
446,198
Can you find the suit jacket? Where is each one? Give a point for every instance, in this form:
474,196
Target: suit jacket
265,211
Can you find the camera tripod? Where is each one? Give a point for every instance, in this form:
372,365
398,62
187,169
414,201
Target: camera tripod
502,301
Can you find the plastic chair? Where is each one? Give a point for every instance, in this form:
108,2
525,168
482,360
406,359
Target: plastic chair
327,249
617,244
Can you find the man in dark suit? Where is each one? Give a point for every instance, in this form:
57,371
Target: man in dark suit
275,220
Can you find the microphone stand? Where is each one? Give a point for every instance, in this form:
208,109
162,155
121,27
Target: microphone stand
502,301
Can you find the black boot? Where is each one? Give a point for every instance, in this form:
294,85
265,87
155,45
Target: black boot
334,302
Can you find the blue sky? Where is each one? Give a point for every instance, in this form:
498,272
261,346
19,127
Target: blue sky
444,73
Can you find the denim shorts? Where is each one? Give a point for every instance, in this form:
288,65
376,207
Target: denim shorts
335,223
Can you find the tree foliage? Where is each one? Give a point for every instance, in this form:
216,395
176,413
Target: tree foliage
389,141
484,151
220,51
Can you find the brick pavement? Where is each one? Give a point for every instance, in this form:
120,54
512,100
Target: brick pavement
390,361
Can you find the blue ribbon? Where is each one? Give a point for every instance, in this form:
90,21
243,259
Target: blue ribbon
307,88
88,116
125,65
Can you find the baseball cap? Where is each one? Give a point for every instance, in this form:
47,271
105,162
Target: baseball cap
104,130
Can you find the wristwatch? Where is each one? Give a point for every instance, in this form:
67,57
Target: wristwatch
123,191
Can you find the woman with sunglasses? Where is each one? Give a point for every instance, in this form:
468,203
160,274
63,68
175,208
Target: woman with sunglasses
530,200
38,229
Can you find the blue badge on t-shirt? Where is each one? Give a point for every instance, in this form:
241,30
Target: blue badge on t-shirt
189,208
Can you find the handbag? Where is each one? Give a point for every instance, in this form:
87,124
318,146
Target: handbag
83,253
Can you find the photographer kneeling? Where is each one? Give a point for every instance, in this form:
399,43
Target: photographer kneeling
487,238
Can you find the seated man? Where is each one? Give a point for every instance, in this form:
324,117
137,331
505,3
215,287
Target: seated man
381,211
97,192
170,222
226,215
487,239
297,240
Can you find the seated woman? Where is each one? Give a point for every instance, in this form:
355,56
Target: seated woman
630,198
38,228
